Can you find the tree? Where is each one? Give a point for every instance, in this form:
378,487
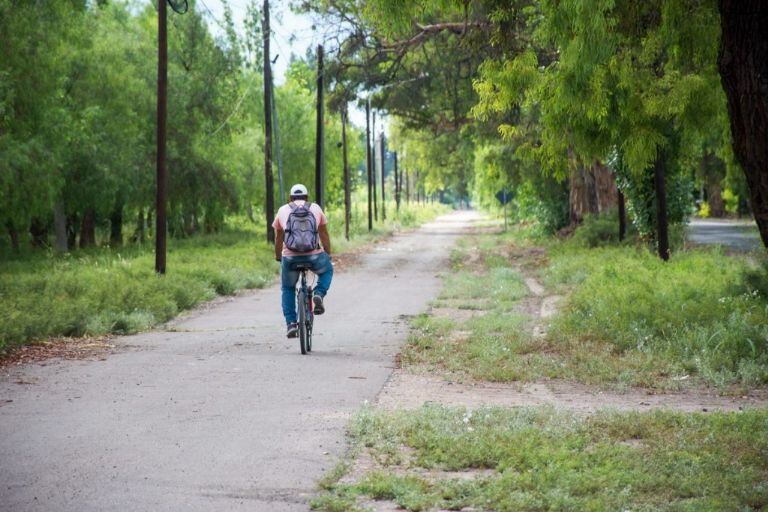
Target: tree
743,65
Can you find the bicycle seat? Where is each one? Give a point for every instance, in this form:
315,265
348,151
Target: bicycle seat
302,266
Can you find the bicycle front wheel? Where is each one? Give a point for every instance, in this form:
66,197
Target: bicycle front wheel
303,333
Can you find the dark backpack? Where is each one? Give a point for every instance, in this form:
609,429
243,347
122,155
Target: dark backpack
301,229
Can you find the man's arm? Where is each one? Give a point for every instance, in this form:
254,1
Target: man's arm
279,233
325,238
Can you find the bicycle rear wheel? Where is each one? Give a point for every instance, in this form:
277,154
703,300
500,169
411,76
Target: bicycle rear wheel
303,333
310,320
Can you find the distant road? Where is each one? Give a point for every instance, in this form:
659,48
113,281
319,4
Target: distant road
740,235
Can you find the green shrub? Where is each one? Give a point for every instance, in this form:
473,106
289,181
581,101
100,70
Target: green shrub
698,310
601,230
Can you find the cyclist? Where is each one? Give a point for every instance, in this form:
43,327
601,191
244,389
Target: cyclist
298,226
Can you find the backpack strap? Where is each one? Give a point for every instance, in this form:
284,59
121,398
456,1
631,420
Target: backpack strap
293,206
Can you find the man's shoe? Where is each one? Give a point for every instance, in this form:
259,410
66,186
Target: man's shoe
319,308
293,330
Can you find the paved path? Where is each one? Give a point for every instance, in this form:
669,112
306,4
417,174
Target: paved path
219,411
737,235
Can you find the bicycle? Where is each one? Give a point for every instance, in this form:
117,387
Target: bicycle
306,313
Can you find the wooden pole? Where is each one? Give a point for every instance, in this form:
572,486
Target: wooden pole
319,133
269,188
397,183
382,157
369,162
373,158
347,195
407,187
162,116
278,148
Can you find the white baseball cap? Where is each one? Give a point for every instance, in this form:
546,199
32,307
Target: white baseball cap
299,190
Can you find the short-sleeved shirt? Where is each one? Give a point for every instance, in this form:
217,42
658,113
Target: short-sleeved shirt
281,219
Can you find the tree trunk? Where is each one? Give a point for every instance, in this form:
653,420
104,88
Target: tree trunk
116,226
71,230
622,215
662,225
13,233
88,229
592,191
743,64
60,227
139,232
39,233
715,200
606,192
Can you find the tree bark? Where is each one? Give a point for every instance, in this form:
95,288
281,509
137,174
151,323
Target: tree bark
592,191
715,200
88,229
140,231
39,233
116,226
71,230
606,192
60,227
13,233
743,65
662,224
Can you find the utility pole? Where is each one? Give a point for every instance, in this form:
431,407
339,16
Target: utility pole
269,192
373,158
162,116
407,187
278,148
319,182
368,162
397,183
383,156
347,198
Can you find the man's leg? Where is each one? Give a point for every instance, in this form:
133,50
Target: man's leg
322,266
288,278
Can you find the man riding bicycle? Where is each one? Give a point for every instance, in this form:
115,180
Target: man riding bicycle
300,229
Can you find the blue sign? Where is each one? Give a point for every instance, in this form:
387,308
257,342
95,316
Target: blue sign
504,196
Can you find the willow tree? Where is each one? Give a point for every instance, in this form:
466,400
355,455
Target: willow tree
638,77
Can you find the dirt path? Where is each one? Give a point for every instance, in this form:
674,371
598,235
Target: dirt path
218,411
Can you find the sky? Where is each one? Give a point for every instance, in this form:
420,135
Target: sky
292,33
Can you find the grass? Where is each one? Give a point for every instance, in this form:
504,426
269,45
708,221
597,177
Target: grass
698,314
532,459
628,319
101,291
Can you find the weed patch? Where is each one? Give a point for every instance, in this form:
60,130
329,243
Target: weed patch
628,319
697,313
541,459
